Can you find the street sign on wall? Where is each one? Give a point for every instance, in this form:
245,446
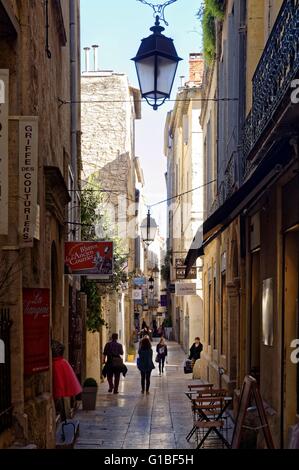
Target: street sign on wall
181,270
182,289
137,294
181,273
139,281
89,259
36,322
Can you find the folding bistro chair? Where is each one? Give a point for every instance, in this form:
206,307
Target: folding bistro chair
211,411
201,391
195,389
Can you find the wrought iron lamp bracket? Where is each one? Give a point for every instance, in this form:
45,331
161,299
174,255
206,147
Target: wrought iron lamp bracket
159,10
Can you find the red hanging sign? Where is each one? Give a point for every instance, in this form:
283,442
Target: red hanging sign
89,258
36,309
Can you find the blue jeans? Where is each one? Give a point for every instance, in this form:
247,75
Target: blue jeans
161,364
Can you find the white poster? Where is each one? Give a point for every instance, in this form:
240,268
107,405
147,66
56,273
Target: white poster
4,83
137,294
185,289
28,177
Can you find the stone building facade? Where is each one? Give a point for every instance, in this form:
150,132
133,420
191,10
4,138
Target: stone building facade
184,151
36,58
250,235
110,107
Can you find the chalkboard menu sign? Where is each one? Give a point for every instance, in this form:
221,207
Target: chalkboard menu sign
250,394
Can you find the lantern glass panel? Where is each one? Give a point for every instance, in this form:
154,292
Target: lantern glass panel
146,74
165,75
152,232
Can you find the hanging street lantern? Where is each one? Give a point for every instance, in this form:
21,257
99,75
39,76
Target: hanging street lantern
151,282
156,65
148,229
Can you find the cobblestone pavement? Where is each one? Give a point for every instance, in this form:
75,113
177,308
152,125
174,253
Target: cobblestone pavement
131,420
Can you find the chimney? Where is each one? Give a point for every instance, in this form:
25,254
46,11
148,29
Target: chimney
95,57
182,77
86,49
196,69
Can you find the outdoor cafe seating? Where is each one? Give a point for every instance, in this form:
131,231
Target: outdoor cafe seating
209,409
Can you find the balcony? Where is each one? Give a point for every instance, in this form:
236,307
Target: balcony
278,67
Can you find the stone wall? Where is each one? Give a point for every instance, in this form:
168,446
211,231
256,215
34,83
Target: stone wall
108,152
36,83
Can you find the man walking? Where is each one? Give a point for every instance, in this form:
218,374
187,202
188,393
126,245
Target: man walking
114,363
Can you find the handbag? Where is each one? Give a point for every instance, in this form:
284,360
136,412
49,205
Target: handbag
157,358
188,369
117,362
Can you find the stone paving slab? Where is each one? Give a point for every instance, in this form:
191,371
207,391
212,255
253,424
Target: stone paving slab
131,420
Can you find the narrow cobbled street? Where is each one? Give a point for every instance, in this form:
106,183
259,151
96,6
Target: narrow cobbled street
131,420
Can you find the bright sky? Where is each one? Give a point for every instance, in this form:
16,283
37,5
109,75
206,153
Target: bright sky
118,26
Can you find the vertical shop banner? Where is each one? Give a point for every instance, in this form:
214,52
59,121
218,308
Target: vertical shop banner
4,83
28,178
36,310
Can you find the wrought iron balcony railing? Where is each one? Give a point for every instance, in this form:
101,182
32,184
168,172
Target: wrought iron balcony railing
229,184
278,67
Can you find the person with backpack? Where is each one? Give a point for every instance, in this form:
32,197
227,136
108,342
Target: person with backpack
162,353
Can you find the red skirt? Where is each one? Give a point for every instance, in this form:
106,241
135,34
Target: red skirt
65,382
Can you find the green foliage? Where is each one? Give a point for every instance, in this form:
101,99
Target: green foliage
165,268
93,214
168,323
90,383
212,10
94,321
91,200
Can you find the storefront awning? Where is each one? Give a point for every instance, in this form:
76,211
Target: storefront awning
195,251
9,25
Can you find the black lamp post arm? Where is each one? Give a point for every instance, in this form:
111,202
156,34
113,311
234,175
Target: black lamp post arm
148,225
159,9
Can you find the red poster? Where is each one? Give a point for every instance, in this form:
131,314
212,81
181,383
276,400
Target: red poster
36,309
89,258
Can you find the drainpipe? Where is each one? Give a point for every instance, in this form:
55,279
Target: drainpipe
74,83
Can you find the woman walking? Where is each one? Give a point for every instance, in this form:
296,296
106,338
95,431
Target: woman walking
161,355
145,364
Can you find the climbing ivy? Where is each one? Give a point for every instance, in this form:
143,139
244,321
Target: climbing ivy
93,215
165,268
212,10
91,198
94,321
